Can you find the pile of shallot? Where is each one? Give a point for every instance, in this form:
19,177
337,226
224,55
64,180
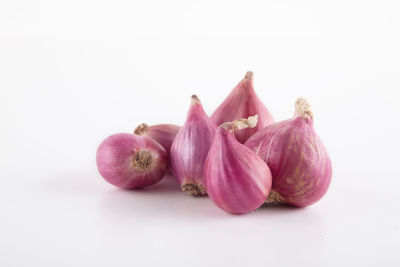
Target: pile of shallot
239,156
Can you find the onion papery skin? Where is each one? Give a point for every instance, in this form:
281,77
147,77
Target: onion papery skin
131,161
300,164
190,148
237,179
243,102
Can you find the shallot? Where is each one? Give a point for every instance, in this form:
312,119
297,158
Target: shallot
237,179
190,147
131,161
300,164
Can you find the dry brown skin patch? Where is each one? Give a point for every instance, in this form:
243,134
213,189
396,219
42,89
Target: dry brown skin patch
194,189
303,108
275,198
241,123
141,129
142,160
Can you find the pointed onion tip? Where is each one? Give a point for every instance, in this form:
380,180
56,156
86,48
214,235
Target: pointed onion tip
195,100
303,108
140,129
248,76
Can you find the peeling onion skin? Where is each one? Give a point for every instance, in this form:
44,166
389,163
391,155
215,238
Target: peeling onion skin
243,102
190,148
300,165
237,179
130,161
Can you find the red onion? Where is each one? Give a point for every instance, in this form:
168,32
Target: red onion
130,161
300,165
190,147
243,102
236,178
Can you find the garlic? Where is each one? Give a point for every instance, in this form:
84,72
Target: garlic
237,179
243,102
130,161
190,147
300,165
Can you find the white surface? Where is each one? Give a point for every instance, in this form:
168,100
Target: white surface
74,72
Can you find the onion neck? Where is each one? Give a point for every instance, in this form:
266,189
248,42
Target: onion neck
239,124
196,109
194,100
248,77
141,129
246,84
303,109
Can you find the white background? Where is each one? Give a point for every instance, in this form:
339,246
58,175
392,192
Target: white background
74,72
